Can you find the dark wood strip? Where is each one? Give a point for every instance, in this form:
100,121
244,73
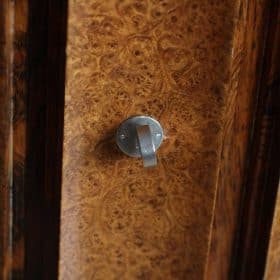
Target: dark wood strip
5,142
46,49
262,177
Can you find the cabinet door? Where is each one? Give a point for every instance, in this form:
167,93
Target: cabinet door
72,204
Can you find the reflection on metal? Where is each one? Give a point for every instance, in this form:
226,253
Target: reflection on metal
140,136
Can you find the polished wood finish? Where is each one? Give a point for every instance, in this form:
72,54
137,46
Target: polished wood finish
32,45
5,126
13,71
246,72
36,166
171,60
262,176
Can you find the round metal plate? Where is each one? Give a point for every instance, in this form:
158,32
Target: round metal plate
127,135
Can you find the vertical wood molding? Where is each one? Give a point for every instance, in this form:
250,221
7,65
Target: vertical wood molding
45,102
272,270
246,73
13,133
5,142
32,36
262,177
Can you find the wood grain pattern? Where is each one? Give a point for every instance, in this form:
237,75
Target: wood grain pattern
12,136
31,251
5,124
245,74
264,166
168,59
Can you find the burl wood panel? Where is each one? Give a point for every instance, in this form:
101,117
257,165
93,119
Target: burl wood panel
167,59
13,27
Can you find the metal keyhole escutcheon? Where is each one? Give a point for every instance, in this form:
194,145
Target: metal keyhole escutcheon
140,136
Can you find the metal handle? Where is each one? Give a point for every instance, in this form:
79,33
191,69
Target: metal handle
146,145
140,136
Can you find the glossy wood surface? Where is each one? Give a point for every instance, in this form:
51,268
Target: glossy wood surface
262,175
13,28
5,142
31,107
30,158
167,59
245,74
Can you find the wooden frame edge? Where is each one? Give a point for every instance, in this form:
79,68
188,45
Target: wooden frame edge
262,175
13,135
247,66
45,110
